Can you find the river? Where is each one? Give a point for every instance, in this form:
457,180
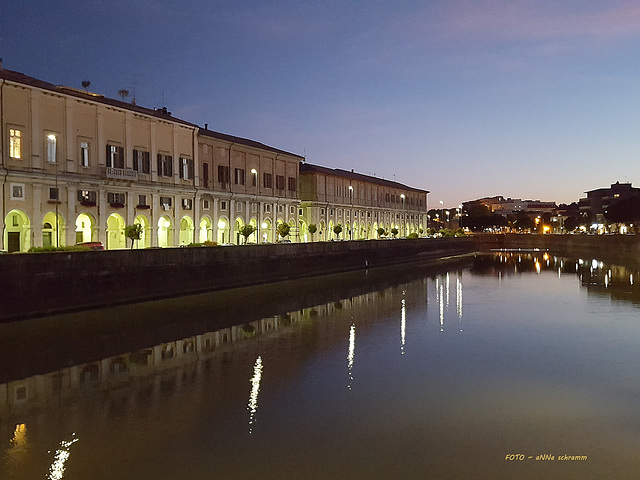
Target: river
509,365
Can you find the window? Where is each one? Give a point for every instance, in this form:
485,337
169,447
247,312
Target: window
267,180
292,210
280,208
279,182
223,174
387,197
53,193
52,143
115,198
87,197
84,154
187,203
267,208
186,168
165,165
17,191
238,206
238,176
300,212
223,205
292,184
142,201
15,143
205,175
205,204
115,156
165,202
322,211
141,163
254,179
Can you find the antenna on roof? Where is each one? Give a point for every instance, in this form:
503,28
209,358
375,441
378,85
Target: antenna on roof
134,82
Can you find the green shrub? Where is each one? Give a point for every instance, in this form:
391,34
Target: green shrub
73,248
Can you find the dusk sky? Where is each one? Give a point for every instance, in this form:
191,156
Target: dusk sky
530,99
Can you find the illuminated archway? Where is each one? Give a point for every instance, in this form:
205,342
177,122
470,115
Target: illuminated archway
145,235
17,236
53,230
237,237
115,232
85,228
222,231
165,232
205,233
303,231
186,230
266,232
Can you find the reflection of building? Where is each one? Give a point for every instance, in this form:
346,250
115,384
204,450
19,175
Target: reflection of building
597,201
360,203
80,167
161,369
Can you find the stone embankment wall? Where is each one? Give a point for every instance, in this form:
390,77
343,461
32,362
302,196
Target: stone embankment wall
37,284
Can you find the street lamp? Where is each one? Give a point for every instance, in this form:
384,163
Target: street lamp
255,181
264,235
351,212
404,220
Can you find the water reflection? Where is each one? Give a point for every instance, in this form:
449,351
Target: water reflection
351,354
192,389
255,390
56,471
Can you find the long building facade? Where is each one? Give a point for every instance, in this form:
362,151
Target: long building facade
78,167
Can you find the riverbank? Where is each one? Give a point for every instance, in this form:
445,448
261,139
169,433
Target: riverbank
42,284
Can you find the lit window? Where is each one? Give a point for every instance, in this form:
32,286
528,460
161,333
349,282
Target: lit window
15,143
52,141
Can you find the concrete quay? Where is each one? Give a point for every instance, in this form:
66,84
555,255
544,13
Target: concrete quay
42,284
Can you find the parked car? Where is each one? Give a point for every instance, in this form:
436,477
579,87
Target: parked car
92,245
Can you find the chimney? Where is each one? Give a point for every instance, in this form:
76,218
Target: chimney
206,126
0,64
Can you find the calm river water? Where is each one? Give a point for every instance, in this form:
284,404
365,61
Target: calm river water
508,366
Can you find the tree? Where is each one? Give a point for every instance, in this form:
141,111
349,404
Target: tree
134,232
394,232
283,229
380,232
337,230
312,229
246,231
123,94
85,84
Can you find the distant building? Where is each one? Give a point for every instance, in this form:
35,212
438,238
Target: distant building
360,203
595,205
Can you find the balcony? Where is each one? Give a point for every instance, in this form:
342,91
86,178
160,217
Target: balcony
120,173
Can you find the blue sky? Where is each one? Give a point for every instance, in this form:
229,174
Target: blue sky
531,99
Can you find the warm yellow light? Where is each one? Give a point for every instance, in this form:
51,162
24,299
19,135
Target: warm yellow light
546,229
254,171
222,223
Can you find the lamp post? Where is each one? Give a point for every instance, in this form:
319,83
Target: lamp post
351,212
264,235
404,219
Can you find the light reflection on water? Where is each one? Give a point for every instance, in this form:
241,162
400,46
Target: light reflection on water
544,361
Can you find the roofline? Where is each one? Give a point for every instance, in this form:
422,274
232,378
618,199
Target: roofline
22,79
246,142
338,172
